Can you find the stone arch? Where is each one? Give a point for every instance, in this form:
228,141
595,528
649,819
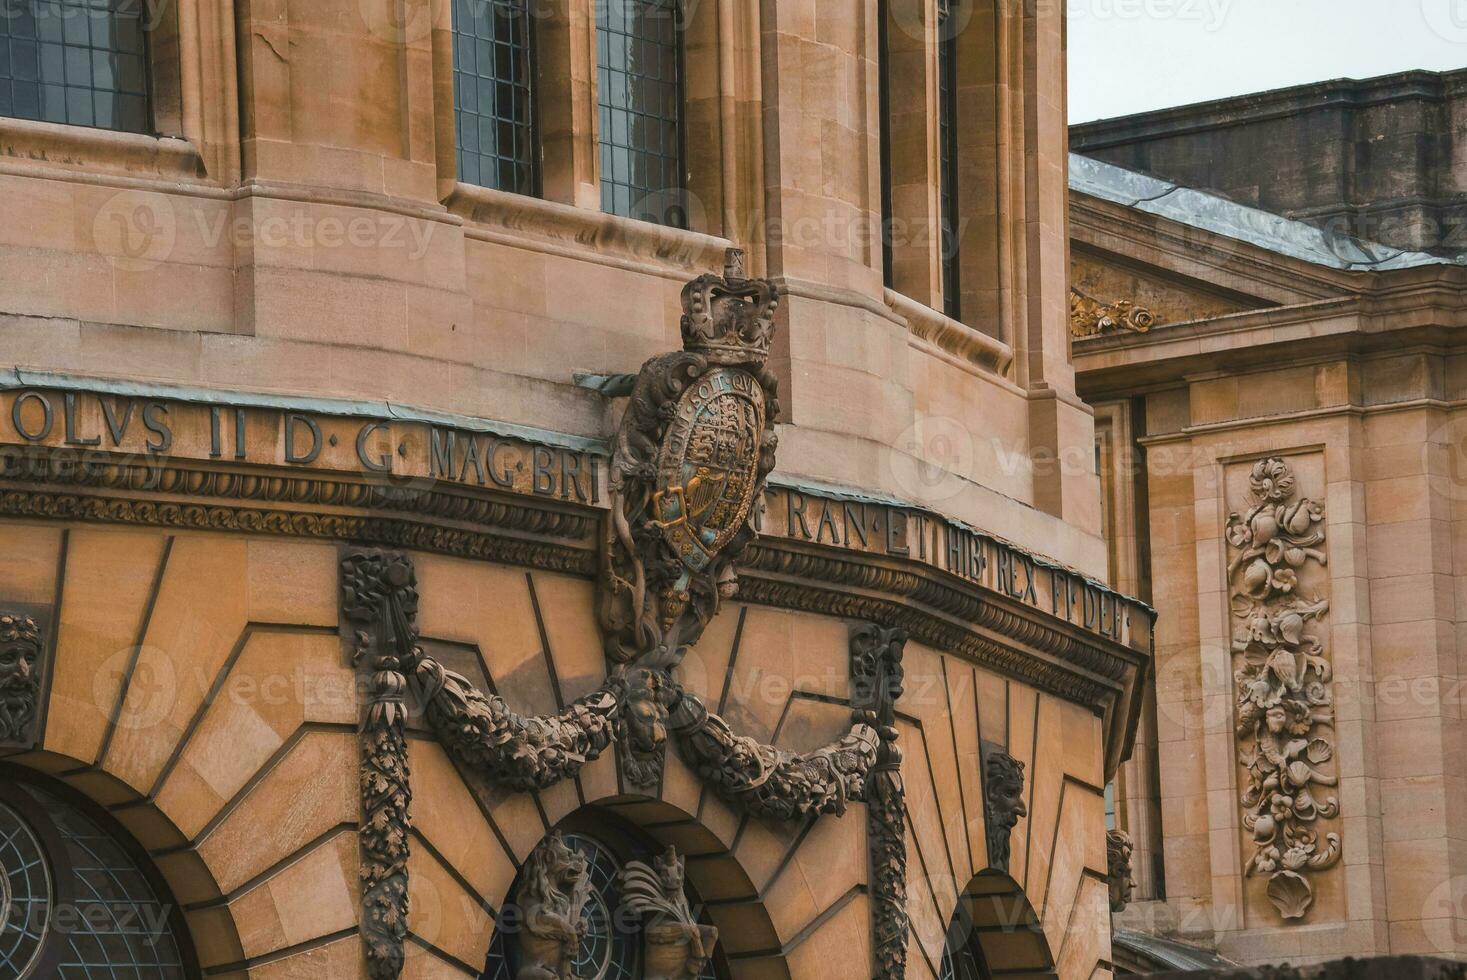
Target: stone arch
181,881
995,931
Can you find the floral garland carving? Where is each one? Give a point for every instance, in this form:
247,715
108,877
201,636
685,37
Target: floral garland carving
771,782
525,753
380,598
876,684
1285,712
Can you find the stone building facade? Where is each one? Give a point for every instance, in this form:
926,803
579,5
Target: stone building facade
1280,416
477,496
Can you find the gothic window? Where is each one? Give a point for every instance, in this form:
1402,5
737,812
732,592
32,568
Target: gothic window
493,94
80,62
639,80
612,945
75,904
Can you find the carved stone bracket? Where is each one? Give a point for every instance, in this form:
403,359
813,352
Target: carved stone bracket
1285,712
676,946
1119,876
21,649
876,685
1003,801
554,888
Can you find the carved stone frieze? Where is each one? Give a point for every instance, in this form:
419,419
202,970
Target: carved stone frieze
676,946
554,888
21,650
1089,317
1119,876
1003,795
1285,710
876,685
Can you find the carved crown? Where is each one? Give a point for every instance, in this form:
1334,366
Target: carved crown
729,318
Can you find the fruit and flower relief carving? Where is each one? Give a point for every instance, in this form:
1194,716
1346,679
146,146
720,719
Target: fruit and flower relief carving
1284,721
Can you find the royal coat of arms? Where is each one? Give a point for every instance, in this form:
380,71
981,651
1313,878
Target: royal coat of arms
688,466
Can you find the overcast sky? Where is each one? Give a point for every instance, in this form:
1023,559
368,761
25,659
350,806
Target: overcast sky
1132,55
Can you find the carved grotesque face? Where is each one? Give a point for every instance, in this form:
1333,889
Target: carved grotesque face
1006,789
1277,720
20,647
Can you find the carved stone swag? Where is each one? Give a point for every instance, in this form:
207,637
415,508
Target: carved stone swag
689,464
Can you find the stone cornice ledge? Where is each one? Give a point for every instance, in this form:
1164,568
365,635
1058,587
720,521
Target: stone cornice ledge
940,609
88,150
951,336
563,229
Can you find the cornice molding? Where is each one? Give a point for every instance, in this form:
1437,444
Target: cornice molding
939,608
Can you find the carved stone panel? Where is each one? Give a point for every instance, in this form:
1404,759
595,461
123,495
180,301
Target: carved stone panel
1284,724
22,654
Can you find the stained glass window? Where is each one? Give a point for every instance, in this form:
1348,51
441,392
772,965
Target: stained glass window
80,62
493,94
639,78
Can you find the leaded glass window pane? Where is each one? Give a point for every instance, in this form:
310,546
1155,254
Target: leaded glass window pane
493,94
947,131
79,62
639,80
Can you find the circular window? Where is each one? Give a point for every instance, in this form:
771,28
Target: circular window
77,903
25,894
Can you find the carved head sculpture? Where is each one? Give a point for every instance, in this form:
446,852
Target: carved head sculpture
729,319
1005,789
20,680
1118,850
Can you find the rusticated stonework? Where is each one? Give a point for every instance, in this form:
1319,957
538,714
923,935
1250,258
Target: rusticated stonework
1285,711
